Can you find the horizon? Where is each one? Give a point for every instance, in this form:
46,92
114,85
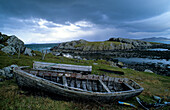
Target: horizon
41,21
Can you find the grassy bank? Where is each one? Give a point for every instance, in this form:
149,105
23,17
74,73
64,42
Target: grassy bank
11,97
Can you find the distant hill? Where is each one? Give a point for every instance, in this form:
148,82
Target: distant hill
112,44
156,39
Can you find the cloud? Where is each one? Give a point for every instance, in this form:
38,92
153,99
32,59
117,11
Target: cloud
42,31
153,24
40,21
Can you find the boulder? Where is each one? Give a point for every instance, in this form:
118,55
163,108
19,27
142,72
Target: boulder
9,49
120,64
28,52
2,72
147,70
8,72
13,66
16,43
1,46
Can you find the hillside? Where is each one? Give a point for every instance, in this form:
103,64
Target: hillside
110,45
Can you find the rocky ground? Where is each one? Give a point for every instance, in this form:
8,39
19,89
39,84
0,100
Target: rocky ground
115,48
158,68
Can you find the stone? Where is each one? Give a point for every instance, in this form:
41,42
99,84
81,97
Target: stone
58,54
124,67
28,51
8,72
77,57
95,63
34,54
16,43
13,66
67,55
1,45
147,70
120,64
9,76
9,49
2,72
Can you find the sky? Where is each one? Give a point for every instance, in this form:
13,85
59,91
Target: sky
55,21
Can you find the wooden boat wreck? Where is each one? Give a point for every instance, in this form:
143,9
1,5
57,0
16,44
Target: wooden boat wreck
62,67
73,85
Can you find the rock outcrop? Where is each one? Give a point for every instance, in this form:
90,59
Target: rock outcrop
112,44
13,45
1,46
9,49
16,43
28,52
135,43
7,72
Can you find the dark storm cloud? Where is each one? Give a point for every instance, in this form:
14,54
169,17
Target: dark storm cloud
93,10
129,15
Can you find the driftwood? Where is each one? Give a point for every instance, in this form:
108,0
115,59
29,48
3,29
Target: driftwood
44,52
60,67
19,52
73,85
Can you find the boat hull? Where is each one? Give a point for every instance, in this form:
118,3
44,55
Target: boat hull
26,80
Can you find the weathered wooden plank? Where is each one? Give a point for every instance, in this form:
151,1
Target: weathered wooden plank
64,81
129,86
72,83
94,85
101,78
89,85
90,77
106,78
78,82
105,87
45,65
79,76
83,84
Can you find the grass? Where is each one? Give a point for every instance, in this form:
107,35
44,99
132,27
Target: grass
98,45
155,43
12,97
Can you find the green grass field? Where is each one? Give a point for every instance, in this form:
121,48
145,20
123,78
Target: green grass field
12,97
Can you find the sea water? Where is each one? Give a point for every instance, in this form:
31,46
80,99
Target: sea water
40,47
143,60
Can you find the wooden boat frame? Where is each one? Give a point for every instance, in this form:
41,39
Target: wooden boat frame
26,78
